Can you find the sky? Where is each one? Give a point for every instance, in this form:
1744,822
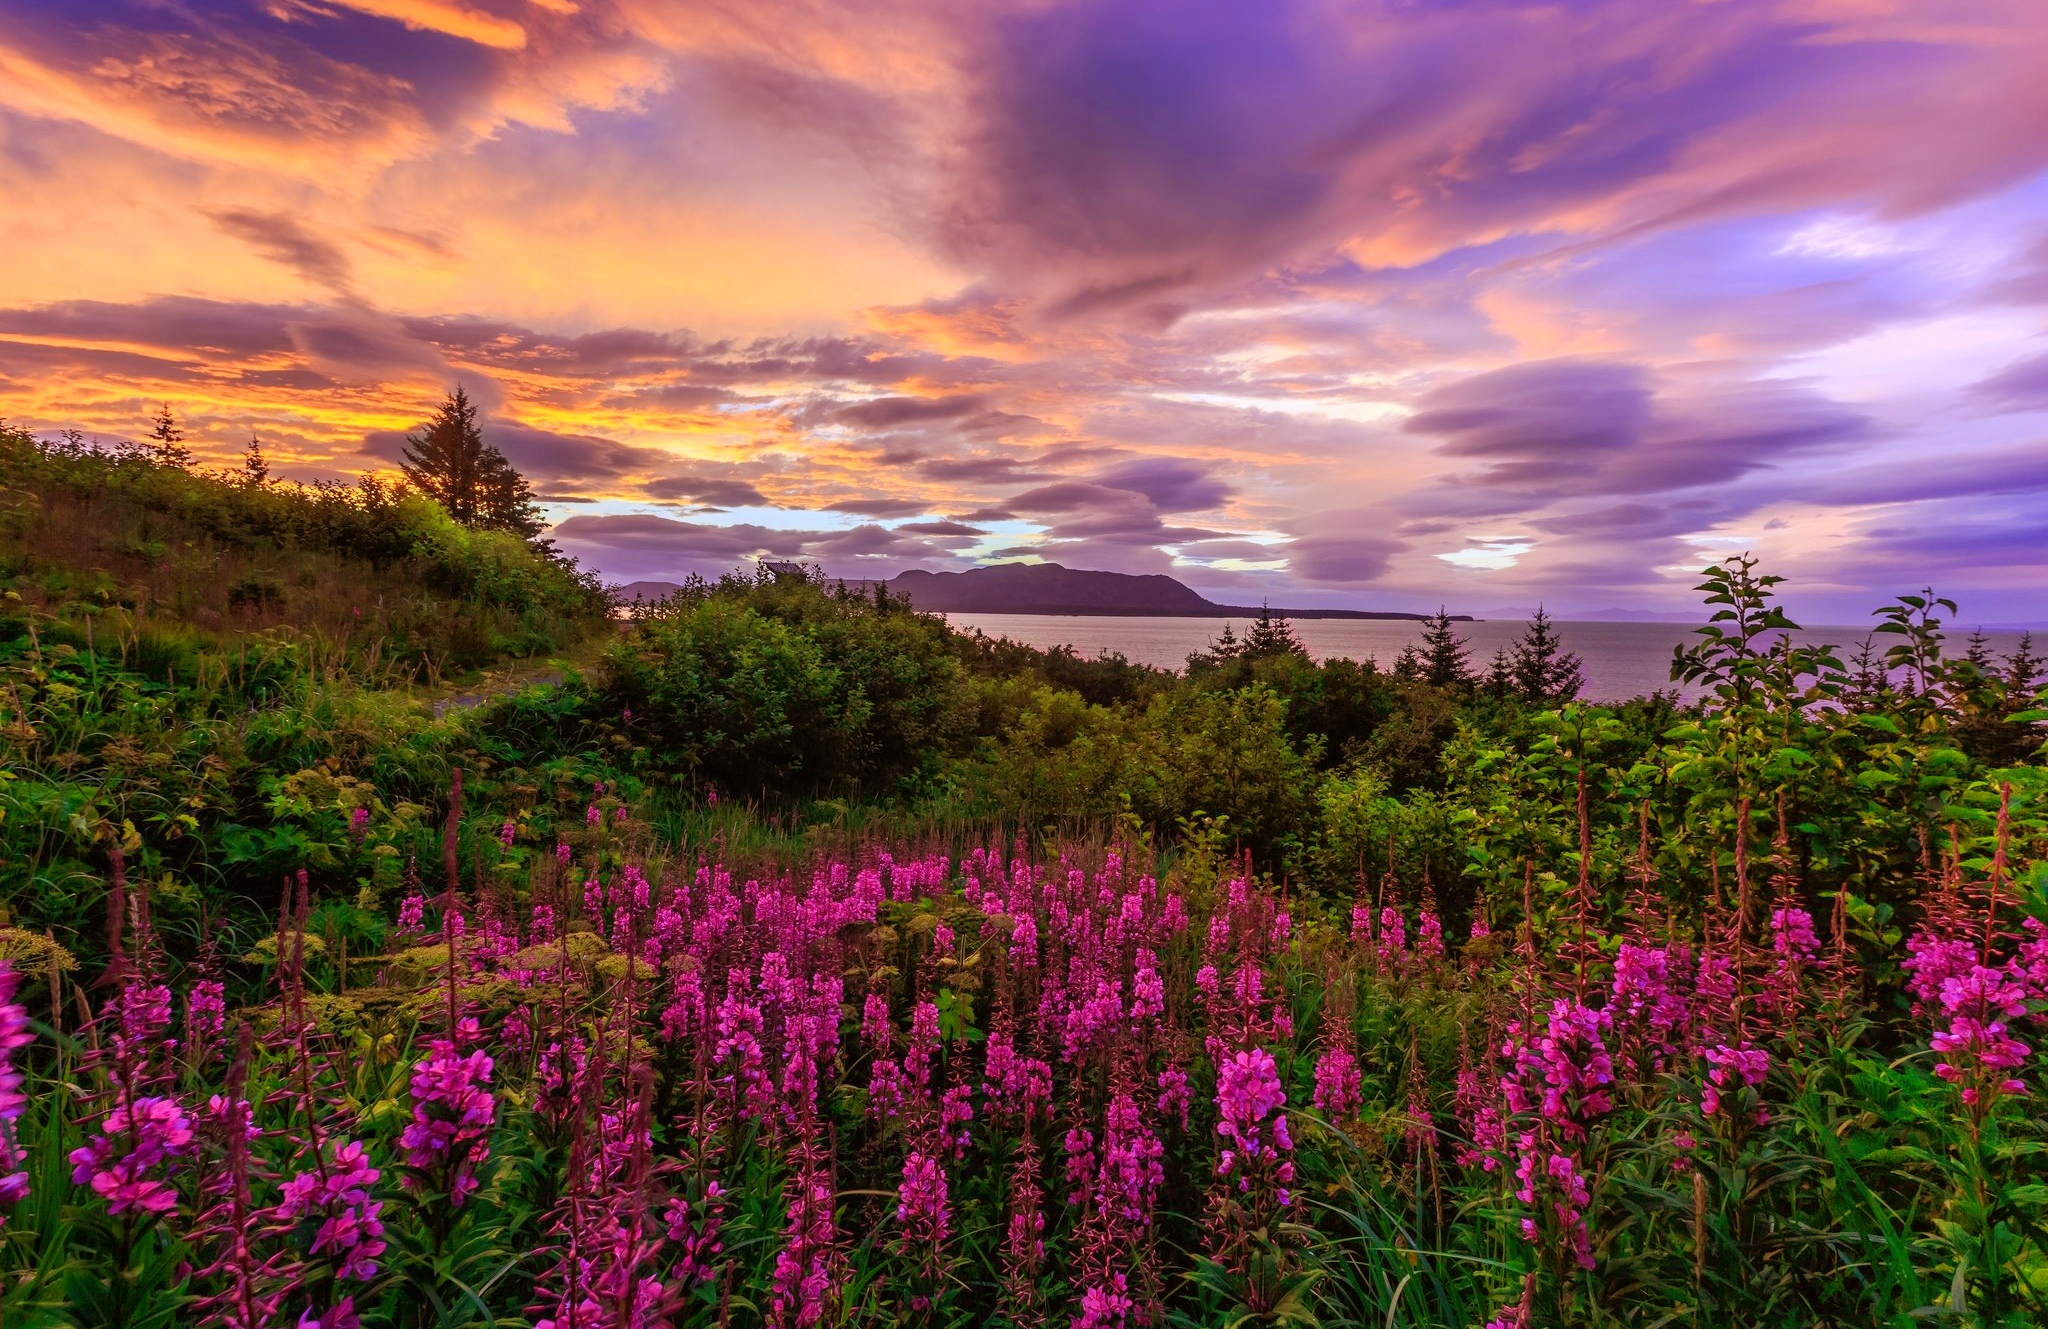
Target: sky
1369,303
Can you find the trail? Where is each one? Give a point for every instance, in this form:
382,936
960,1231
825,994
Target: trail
495,685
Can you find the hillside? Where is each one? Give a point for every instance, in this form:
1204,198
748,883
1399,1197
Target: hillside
369,578
1049,588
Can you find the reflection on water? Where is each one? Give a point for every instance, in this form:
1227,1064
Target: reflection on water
1621,659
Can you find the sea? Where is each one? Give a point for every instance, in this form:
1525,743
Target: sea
1621,660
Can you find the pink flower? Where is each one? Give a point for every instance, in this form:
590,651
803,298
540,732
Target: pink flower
452,1113
14,1035
1337,1082
135,1139
351,1232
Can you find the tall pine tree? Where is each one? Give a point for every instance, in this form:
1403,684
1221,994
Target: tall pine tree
1446,661
255,466
1270,636
449,461
167,441
1544,672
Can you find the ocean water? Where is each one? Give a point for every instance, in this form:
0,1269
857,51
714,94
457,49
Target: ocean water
1621,659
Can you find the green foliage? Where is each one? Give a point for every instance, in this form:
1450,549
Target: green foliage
758,686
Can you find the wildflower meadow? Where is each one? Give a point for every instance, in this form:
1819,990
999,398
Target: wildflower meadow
793,959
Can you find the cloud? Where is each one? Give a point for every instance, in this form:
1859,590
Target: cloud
2020,386
282,239
1584,427
888,412
726,493
1349,287
954,528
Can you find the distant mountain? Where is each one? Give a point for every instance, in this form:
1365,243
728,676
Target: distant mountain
1048,588
634,591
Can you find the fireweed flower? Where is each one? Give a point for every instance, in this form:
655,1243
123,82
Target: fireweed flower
412,914
452,1113
14,1035
1337,1082
206,1015
1977,1047
1174,1098
136,1139
350,1231
1248,1092
694,1228
806,1268
923,1218
507,833
1730,1069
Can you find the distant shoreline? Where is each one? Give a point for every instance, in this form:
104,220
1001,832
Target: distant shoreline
1216,611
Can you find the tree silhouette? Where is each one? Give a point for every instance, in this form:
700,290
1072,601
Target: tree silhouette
168,440
1544,672
255,466
449,461
1269,636
1445,662
2023,672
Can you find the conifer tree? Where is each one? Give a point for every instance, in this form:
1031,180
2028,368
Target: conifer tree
1500,676
255,466
168,441
2023,673
1446,661
1978,655
1270,636
1868,682
449,461
1544,672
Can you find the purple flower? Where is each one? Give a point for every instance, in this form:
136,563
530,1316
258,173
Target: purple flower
135,1139
1732,1068
507,833
452,1113
921,1201
1337,1082
350,1231
14,1035
412,915
206,1014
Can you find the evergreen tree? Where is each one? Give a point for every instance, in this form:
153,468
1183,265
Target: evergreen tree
1500,676
1408,664
255,467
1446,661
1869,683
1544,672
1978,656
449,461
1270,636
167,440
2023,673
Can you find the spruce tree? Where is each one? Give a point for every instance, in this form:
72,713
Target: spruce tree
1500,676
1869,682
1270,636
1545,673
2023,673
255,466
1446,662
448,460
1978,656
167,440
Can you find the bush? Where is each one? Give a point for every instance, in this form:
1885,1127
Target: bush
767,688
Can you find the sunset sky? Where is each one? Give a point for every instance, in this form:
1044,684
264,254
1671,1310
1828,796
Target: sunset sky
1381,304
